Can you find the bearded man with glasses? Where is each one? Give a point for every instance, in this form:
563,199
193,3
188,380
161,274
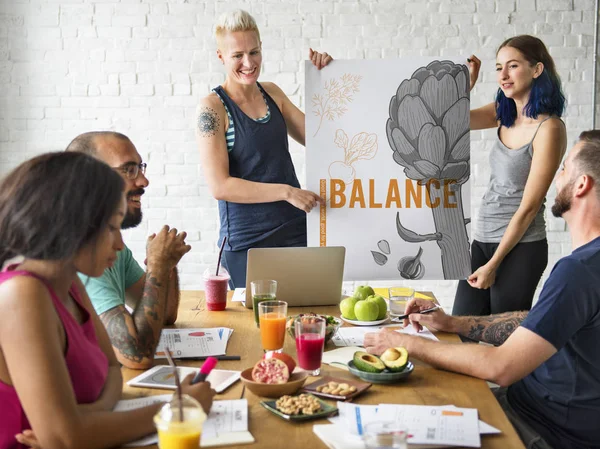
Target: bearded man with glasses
152,296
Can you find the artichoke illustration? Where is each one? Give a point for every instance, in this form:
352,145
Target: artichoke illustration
428,132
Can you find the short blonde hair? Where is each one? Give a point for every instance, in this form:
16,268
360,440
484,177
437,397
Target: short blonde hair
232,21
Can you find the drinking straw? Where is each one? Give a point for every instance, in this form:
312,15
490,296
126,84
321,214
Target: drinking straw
220,254
177,382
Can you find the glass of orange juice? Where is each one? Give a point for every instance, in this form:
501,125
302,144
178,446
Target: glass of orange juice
272,317
177,430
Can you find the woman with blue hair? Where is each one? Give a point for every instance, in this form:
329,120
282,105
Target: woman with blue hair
509,250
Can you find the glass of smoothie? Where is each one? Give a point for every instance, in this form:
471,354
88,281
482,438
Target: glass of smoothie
177,431
272,317
310,342
215,288
264,290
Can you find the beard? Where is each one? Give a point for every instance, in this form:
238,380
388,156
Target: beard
133,217
562,202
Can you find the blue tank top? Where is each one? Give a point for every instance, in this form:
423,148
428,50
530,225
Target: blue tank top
260,153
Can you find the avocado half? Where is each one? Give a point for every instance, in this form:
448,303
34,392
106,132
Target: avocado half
367,362
395,359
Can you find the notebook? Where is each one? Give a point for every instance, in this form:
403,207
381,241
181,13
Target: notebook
226,424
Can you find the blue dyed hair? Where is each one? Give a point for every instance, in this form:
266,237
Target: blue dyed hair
546,96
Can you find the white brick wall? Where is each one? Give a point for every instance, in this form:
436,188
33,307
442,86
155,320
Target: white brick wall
139,67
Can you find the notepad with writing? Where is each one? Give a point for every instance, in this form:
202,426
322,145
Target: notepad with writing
162,377
132,404
227,422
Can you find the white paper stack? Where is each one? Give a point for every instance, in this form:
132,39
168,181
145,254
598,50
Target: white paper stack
355,336
185,343
428,426
227,424
239,295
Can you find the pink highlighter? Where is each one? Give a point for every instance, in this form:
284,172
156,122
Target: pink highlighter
207,367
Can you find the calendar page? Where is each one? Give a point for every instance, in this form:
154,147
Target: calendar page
193,342
435,425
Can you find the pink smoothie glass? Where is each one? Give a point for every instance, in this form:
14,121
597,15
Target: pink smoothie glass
310,342
215,288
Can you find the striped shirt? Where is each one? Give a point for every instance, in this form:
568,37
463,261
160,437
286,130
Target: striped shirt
230,132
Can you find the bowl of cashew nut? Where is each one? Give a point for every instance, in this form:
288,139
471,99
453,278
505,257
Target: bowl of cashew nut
302,407
336,388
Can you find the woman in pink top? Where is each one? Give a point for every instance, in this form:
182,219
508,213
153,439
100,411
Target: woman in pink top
62,213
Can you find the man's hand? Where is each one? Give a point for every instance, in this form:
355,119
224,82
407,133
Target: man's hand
319,60
474,66
200,392
166,248
437,320
303,199
377,342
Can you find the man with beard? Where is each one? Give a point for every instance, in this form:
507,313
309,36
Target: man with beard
547,360
152,296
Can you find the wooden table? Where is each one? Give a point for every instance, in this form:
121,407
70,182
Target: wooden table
425,386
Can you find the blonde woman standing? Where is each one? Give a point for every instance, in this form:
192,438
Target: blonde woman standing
242,131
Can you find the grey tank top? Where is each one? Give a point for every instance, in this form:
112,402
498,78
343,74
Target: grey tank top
509,173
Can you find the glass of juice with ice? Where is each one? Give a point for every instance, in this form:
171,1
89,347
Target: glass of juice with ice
310,342
265,290
272,317
177,430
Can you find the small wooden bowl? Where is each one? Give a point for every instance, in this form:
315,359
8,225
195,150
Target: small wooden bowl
274,390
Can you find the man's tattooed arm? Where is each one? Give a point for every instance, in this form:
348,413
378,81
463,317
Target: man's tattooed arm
493,329
207,121
135,336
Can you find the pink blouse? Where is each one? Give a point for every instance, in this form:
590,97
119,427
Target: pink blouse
87,365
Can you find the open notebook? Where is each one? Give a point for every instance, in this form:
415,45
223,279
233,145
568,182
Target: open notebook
226,424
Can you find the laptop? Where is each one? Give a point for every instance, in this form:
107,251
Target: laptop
305,276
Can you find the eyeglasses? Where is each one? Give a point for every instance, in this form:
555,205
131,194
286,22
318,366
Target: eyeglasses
132,170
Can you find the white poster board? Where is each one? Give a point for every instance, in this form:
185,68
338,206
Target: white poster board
388,147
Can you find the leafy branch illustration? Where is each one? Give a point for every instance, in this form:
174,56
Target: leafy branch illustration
362,146
338,94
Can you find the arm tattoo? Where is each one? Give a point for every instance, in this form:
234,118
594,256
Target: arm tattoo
137,339
494,329
207,122
131,347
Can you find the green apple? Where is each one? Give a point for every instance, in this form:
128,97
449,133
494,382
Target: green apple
347,307
363,292
366,310
381,305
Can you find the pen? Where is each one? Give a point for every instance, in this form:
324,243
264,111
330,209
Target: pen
432,309
207,367
218,357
